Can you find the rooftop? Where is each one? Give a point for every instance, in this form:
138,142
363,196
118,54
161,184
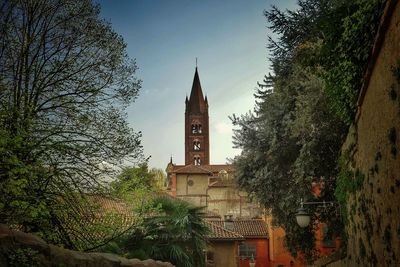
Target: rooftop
220,233
253,228
206,169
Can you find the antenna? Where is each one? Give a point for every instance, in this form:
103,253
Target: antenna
196,62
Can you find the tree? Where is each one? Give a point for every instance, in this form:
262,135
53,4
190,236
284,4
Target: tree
175,232
160,178
136,186
133,178
65,80
293,137
289,142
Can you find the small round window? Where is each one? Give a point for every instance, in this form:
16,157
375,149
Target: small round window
190,182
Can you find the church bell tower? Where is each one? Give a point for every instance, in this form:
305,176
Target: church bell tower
197,147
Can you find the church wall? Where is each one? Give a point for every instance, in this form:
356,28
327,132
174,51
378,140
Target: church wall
194,193
200,184
229,200
223,200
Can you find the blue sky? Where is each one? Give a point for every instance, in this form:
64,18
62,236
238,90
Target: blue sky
229,39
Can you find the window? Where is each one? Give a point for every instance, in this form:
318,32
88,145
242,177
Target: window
247,250
190,183
196,145
210,257
197,160
196,127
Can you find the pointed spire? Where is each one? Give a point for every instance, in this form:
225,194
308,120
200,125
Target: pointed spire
196,100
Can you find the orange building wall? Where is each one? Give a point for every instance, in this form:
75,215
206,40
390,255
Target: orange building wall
279,254
281,257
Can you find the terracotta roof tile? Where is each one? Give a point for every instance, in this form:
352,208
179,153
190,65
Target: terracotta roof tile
220,233
208,169
248,228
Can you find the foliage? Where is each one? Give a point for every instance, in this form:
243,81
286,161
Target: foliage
24,257
345,59
348,182
136,186
133,178
291,142
339,27
65,80
175,233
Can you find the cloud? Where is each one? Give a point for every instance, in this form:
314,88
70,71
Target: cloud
223,128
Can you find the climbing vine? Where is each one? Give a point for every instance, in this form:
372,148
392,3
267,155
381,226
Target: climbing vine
346,60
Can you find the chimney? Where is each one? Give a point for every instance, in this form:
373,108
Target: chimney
228,222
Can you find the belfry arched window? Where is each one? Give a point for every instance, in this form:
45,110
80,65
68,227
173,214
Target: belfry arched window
197,160
196,127
196,145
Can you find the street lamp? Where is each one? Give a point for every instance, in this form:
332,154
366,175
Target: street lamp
252,261
303,217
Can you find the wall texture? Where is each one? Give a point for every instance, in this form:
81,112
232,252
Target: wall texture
373,151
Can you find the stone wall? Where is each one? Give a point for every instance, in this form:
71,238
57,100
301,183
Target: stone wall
373,151
22,249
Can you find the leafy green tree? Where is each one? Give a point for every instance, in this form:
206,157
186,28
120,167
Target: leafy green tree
346,58
345,32
133,178
288,143
160,178
136,186
65,81
293,137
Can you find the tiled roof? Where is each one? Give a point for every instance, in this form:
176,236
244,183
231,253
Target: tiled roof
99,218
253,228
108,204
208,169
220,233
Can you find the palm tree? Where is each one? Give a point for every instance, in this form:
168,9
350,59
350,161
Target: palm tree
175,233
178,233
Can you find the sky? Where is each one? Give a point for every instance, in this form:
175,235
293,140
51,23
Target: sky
229,38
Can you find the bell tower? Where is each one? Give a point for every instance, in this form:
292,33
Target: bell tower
197,147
